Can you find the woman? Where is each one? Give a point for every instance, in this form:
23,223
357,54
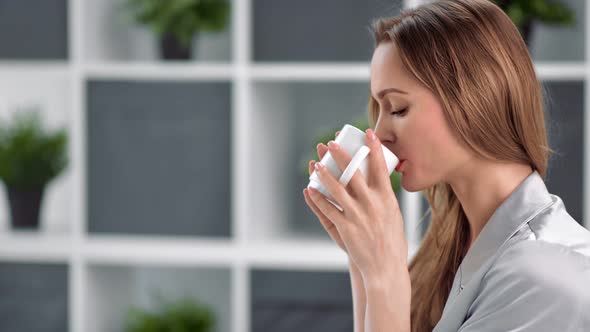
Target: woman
454,94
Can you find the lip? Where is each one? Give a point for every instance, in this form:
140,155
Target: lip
399,165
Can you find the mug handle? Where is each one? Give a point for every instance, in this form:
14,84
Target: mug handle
354,164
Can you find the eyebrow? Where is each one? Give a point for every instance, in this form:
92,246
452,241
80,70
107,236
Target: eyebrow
383,92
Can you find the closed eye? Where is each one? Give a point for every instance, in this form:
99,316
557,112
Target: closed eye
400,112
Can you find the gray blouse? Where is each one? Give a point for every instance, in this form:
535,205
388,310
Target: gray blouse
528,269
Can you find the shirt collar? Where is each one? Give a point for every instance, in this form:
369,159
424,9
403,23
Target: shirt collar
525,202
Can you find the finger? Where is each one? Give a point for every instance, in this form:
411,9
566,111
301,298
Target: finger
336,190
322,149
326,223
378,176
357,183
327,209
310,166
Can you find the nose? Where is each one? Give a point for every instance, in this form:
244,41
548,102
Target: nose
384,133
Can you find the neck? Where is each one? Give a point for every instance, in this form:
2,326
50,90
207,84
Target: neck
481,187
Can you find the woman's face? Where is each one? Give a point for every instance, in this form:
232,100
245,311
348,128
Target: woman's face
419,135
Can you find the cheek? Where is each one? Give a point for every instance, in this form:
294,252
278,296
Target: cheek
431,149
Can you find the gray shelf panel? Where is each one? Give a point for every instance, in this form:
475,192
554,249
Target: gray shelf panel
294,31
565,126
327,30
425,215
561,43
34,297
113,290
111,33
34,30
159,157
285,301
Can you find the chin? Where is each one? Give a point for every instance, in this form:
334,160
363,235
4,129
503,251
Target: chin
411,185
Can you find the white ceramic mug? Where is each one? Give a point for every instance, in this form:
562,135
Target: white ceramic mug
352,141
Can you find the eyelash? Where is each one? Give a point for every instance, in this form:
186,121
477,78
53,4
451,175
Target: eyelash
400,112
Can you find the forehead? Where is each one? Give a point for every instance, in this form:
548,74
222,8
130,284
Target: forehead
387,69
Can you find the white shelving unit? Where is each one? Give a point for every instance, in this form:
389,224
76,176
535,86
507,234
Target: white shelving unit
107,273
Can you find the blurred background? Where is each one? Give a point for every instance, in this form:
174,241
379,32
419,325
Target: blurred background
153,154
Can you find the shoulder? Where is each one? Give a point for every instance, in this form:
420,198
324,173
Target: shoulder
533,276
533,286
552,250
551,242
554,225
538,280
553,267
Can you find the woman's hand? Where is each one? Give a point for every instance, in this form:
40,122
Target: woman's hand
370,225
326,223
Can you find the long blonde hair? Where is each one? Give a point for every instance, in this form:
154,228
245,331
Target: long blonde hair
472,57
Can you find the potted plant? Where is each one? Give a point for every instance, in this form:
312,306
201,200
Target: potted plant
184,315
525,12
30,158
330,135
176,22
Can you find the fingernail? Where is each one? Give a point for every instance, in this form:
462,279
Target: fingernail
319,166
371,134
333,145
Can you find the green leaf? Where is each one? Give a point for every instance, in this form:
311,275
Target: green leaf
181,18
29,156
552,13
517,14
545,11
183,315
